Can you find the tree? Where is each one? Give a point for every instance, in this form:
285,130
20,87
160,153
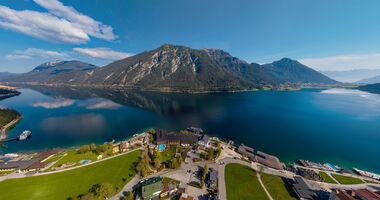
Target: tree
210,154
218,144
92,147
144,171
157,162
109,145
205,168
88,196
173,163
84,149
151,131
151,139
105,190
156,154
179,161
129,196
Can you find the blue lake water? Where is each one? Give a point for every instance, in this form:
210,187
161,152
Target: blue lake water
339,126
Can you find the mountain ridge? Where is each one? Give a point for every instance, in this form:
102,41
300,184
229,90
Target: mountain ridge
371,80
180,68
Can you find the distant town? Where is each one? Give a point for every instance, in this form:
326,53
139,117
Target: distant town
184,165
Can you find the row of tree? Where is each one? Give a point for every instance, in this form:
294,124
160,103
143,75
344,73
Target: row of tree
204,174
97,192
106,147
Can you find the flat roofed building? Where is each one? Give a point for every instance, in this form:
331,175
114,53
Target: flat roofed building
151,187
212,178
247,152
174,138
268,160
302,188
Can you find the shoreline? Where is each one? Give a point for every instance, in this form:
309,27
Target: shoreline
286,161
170,90
6,128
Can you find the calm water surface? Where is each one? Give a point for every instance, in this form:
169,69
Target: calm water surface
335,125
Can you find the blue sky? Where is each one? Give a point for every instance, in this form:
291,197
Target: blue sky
324,34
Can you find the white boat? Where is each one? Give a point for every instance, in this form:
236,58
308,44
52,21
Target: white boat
24,135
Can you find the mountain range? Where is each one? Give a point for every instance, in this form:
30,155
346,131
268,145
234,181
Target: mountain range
175,68
352,76
372,80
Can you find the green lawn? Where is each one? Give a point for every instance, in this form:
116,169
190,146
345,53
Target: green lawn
168,154
242,183
372,182
327,178
3,173
54,158
170,180
346,179
71,183
74,157
277,188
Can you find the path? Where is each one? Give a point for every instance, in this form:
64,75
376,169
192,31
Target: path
127,187
263,186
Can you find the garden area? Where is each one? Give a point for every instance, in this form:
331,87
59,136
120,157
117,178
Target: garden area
168,154
242,183
112,174
346,179
86,153
326,178
277,188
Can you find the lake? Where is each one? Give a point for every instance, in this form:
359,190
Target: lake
339,126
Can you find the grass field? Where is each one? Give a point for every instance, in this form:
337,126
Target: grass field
374,182
327,178
71,183
242,183
277,188
74,157
168,154
346,180
3,173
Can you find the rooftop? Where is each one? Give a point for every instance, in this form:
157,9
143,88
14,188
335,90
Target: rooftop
302,188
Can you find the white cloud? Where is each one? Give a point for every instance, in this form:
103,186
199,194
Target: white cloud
33,52
58,103
62,24
102,53
104,104
344,62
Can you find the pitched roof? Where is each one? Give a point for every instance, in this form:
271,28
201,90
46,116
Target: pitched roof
367,194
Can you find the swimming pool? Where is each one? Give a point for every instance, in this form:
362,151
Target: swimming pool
332,167
161,148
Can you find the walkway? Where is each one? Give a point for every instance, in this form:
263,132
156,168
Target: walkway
127,187
263,186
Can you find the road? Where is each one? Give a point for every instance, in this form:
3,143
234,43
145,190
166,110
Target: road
128,187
